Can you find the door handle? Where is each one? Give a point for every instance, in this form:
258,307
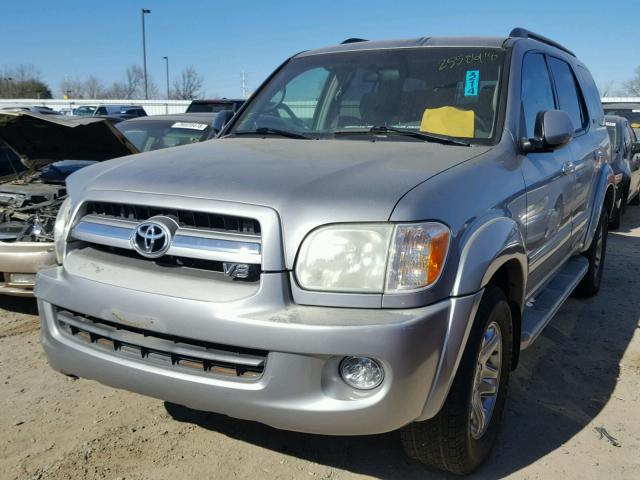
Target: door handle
568,168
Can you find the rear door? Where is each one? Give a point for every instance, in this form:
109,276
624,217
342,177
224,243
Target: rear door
549,187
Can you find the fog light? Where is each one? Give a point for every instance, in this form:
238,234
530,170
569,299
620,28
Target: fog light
361,372
26,279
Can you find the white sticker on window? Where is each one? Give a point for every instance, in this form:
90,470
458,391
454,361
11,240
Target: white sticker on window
635,111
610,124
190,125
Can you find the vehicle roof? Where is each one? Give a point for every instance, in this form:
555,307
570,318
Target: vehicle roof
490,42
118,105
218,100
621,106
616,119
176,117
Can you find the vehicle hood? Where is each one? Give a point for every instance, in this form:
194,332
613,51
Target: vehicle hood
308,182
42,139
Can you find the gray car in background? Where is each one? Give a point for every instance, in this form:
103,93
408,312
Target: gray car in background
626,165
368,245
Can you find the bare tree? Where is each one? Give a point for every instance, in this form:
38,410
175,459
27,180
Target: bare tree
93,87
605,89
73,87
188,85
132,87
631,87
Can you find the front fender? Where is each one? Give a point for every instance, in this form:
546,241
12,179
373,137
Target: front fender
484,250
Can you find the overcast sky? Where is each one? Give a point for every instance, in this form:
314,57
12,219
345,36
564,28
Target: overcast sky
76,38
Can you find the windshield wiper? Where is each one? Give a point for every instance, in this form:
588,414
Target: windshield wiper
272,131
429,137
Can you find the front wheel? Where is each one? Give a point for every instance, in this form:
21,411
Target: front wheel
460,437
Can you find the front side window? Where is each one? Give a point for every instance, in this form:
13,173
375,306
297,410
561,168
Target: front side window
451,92
567,91
537,93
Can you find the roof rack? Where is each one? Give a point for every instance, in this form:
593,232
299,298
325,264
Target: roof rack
353,40
524,33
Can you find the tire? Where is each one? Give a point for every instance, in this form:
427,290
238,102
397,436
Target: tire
448,441
635,200
614,223
590,283
625,196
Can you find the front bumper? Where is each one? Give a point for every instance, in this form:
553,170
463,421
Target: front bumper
24,258
300,388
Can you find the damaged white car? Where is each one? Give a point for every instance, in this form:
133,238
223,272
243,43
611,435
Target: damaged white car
37,153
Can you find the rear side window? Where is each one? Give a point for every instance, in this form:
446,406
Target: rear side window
591,94
536,94
567,90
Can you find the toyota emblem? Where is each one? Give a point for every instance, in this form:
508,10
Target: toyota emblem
151,239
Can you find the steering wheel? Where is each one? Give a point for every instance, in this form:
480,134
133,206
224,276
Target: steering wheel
294,118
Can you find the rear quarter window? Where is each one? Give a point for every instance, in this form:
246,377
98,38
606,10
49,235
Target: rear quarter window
591,94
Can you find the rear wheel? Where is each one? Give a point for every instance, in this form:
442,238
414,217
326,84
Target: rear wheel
614,223
460,437
635,200
590,284
625,196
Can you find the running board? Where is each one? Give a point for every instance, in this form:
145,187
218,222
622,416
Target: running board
540,310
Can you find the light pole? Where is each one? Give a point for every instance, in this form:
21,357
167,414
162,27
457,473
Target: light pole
166,59
144,54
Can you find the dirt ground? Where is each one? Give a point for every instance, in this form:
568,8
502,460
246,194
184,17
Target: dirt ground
581,376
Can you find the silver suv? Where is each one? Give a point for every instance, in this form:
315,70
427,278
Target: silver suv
368,246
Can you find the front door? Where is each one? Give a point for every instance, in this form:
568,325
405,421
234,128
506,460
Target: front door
549,180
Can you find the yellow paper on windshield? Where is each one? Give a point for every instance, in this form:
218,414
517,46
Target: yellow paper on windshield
449,121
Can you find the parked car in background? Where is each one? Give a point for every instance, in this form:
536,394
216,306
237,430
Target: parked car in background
630,111
162,131
42,110
84,110
626,165
367,246
215,105
120,111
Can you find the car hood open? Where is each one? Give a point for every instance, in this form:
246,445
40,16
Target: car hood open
42,139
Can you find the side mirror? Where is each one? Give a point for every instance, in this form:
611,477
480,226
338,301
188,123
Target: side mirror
553,129
222,118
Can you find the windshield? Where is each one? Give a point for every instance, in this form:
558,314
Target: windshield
451,92
157,134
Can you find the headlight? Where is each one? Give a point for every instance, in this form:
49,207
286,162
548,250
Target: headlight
60,229
372,258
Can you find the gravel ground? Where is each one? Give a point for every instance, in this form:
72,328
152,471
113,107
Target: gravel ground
581,376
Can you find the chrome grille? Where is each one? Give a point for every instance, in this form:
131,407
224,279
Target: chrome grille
186,218
204,236
165,350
